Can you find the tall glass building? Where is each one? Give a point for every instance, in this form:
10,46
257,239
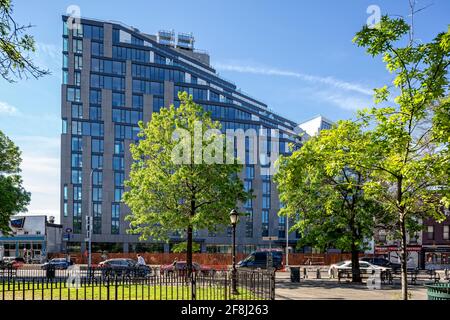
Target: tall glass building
113,76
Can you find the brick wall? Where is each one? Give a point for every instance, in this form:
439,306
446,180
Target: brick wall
216,259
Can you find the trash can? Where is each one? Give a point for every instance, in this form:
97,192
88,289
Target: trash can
438,291
50,272
295,274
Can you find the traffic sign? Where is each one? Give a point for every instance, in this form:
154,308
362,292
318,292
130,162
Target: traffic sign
270,238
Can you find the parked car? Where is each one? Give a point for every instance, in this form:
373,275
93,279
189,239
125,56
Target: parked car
123,267
57,263
180,267
259,259
382,262
364,267
12,262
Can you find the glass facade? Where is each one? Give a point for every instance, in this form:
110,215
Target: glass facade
103,103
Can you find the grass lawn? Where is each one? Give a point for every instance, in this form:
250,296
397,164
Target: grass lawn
120,292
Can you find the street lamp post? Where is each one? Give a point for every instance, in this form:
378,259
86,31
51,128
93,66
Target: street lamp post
234,218
287,241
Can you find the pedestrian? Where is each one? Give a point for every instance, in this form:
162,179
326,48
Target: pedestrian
174,263
140,260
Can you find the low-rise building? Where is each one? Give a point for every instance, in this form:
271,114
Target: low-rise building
32,238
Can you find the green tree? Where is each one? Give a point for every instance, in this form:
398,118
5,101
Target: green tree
15,47
407,150
323,191
172,188
13,197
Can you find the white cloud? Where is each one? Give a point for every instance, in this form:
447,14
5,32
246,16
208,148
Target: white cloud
49,56
347,102
41,172
7,109
330,81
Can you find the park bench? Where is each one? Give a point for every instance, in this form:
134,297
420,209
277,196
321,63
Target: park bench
415,275
347,274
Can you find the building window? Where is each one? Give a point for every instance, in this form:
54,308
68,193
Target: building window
77,160
430,232
96,49
282,227
65,209
77,46
249,223
78,64
77,144
118,163
65,77
77,111
77,193
97,161
118,194
118,179
64,126
115,218
77,217
77,77
65,61
97,228
65,192
77,127
97,145
249,172
265,223
118,147
445,234
248,186
73,95
97,193
266,187
266,202
97,178
76,176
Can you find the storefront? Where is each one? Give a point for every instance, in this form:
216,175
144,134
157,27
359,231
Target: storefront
31,238
392,253
436,257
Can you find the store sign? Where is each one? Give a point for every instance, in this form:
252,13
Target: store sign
387,249
18,223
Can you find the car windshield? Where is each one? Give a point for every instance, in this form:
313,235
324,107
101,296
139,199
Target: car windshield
340,263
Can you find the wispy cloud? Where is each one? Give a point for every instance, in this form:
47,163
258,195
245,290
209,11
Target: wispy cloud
41,172
7,109
48,56
330,81
347,102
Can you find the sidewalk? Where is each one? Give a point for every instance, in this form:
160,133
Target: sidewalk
329,289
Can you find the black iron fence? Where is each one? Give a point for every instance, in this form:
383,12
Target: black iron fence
132,284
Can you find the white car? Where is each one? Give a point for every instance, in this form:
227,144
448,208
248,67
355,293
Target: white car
364,266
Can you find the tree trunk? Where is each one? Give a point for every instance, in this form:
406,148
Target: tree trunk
356,273
403,252
403,260
189,251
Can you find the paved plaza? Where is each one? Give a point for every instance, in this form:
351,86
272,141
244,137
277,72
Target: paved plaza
330,289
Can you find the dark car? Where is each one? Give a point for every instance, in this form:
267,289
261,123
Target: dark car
123,267
180,267
259,260
382,262
12,262
57,263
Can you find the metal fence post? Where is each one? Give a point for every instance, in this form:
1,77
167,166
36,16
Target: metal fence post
272,282
193,287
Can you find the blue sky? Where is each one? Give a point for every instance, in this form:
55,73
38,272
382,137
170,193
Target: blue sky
296,56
